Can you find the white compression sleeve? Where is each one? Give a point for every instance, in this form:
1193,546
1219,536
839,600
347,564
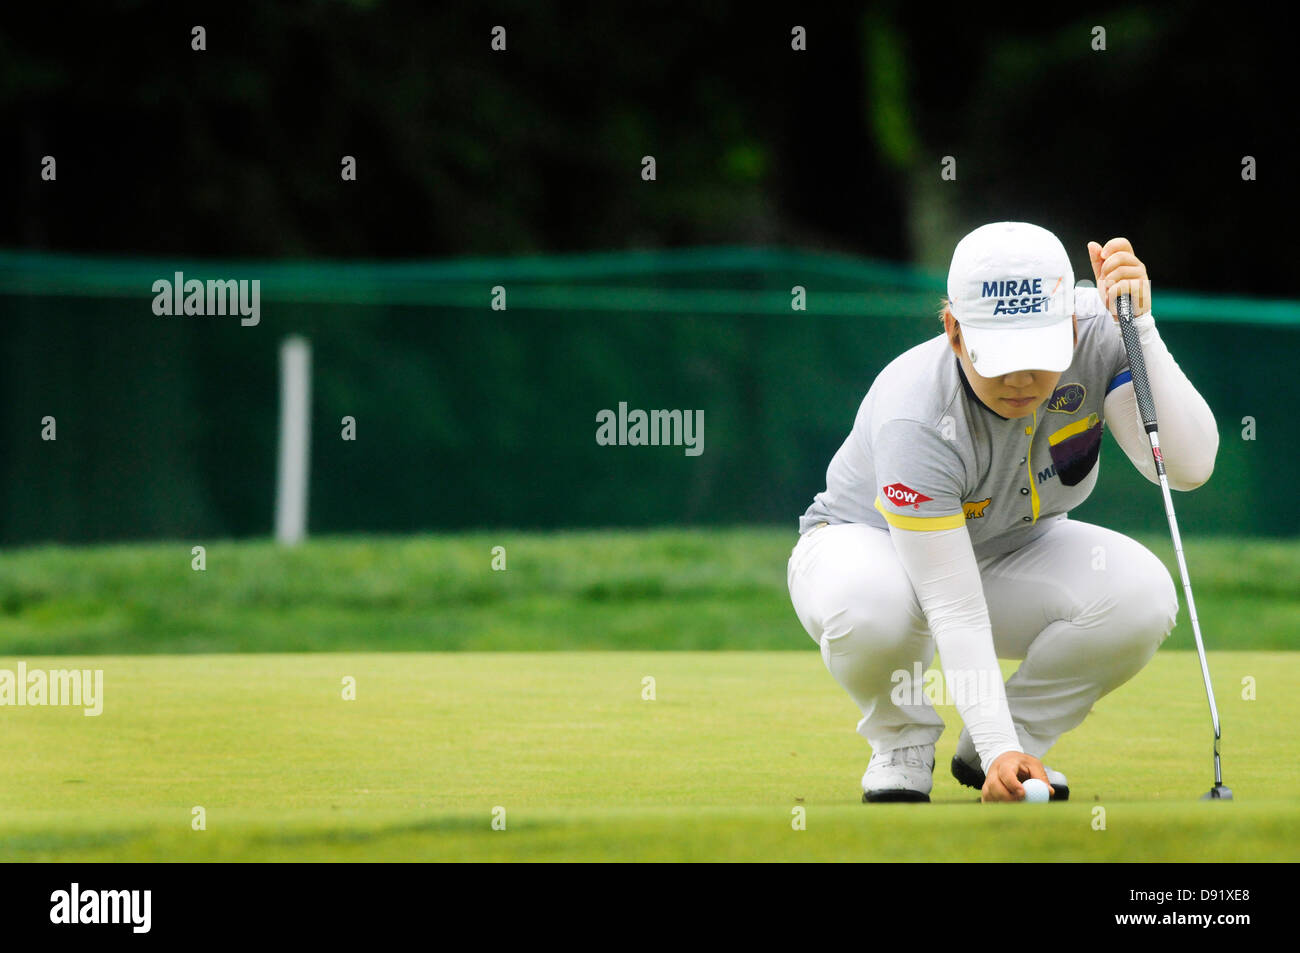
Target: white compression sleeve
1189,438
942,568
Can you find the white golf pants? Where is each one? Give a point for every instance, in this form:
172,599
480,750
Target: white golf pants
1083,606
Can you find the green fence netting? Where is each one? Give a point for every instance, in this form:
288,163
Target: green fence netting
467,416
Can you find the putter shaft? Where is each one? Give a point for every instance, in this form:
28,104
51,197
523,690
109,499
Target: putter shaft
1146,407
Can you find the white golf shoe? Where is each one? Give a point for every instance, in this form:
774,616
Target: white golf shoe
904,774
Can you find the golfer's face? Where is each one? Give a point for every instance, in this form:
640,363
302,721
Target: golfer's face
1013,395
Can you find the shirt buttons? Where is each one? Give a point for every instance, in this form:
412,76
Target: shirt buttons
1024,490
1025,519
1024,460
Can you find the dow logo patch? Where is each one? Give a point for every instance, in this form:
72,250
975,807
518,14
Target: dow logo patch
1067,399
900,494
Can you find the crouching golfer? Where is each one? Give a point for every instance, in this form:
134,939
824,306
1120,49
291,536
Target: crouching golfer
944,519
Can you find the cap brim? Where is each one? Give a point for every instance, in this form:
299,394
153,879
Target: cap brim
995,352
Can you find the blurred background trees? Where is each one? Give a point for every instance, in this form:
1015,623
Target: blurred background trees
235,151
469,417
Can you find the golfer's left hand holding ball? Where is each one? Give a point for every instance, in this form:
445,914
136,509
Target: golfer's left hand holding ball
943,525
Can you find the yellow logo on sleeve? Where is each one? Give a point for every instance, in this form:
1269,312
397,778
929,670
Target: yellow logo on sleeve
975,509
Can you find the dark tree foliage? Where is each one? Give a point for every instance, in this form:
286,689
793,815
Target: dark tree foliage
236,151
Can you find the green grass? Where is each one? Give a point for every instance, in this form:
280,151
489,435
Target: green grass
671,589
223,690
587,770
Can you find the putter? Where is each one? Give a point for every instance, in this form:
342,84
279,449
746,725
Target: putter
1147,408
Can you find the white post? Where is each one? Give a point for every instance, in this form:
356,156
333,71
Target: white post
295,441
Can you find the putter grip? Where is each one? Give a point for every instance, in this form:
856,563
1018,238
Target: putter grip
1137,364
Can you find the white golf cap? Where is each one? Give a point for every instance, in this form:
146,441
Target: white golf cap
1011,287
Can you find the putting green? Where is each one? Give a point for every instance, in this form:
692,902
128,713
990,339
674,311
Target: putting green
563,747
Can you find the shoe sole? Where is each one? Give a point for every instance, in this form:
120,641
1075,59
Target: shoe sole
899,795
974,778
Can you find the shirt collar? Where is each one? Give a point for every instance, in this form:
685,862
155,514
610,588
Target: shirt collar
970,391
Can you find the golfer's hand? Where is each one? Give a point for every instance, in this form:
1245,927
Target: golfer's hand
1002,783
1118,271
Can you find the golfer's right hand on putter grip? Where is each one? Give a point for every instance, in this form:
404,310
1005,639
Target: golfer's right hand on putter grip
1137,365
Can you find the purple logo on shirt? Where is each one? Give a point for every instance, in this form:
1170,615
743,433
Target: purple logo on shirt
1067,399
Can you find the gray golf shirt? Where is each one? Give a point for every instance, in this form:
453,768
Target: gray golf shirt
926,454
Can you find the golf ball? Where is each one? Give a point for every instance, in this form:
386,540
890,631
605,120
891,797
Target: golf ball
1036,791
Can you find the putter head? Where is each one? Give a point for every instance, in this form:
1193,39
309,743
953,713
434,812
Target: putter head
1218,793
